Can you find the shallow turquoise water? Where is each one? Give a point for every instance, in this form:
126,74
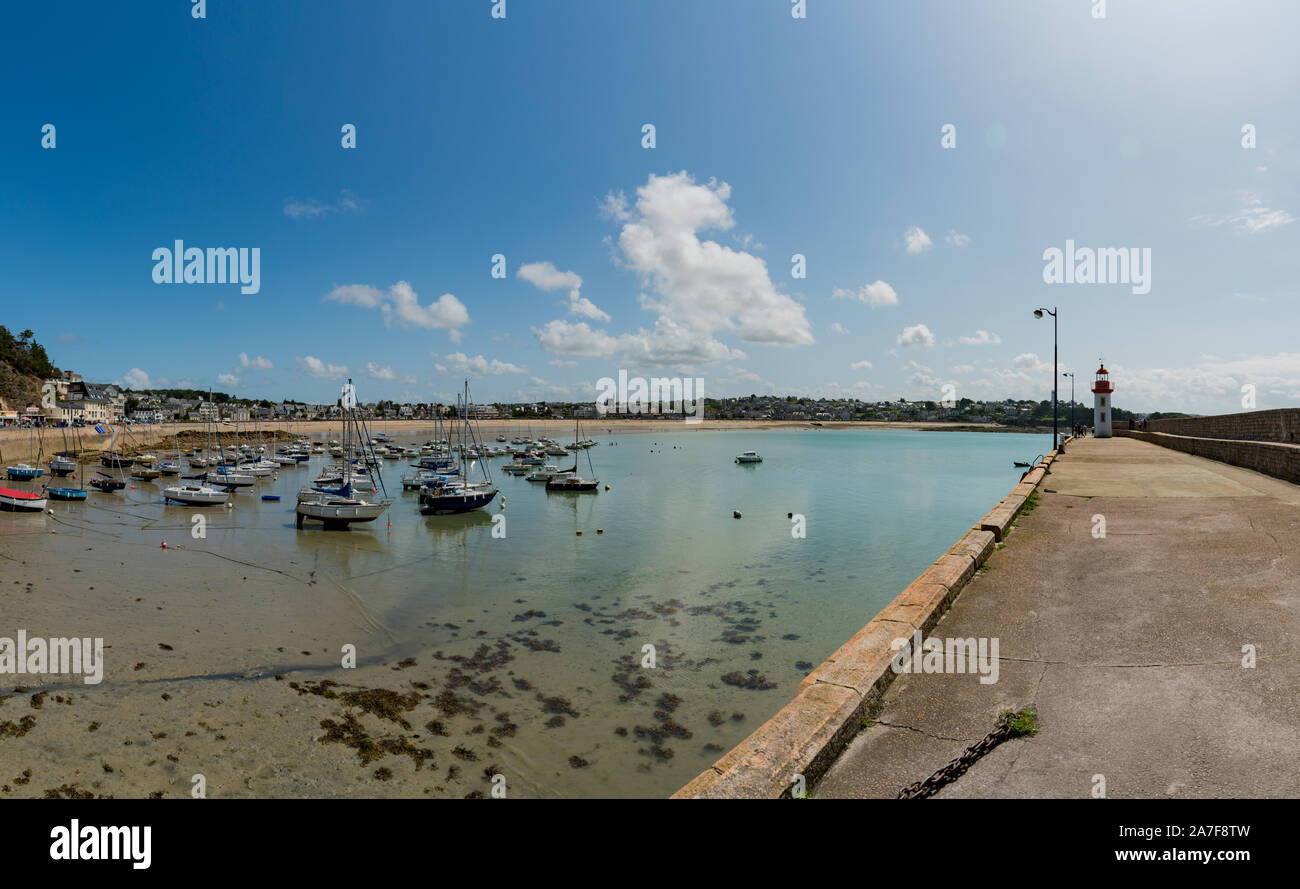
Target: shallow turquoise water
713,594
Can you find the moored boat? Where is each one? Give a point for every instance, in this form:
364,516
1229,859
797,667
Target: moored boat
12,500
195,495
23,472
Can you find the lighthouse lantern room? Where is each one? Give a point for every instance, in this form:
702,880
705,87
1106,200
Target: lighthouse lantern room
1102,403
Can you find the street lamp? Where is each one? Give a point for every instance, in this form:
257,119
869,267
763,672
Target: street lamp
1038,313
1071,376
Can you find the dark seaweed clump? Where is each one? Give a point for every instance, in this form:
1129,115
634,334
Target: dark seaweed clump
752,680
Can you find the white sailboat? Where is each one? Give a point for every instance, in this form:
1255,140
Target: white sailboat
338,508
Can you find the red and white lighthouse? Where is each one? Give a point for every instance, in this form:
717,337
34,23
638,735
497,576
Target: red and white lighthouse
1102,403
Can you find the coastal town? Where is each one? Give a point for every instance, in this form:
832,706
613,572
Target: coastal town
70,400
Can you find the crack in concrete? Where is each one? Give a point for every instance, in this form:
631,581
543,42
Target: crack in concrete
911,728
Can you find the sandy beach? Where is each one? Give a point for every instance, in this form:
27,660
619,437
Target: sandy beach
21,445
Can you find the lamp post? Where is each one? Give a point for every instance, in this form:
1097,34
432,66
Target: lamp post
1071,376
1038,313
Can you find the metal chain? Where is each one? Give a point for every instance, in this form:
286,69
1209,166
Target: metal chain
955,769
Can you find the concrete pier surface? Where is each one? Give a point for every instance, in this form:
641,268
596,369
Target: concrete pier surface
1130,646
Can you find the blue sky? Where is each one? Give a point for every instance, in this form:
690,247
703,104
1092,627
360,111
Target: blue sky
774,136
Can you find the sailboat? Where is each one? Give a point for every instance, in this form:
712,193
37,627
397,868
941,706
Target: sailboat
193,491
568,479
337,508
25,472
447,496
224,473
71,494
62,464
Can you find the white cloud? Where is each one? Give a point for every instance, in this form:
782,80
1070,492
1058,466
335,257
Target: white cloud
401,303
1253,217
309,209
546,277
699,287
917,240
258,363
376,372
861,365
981,338
228,379
961,369
575,338
957,240
478,366
916,335
837,327
316,368
875,295
135,378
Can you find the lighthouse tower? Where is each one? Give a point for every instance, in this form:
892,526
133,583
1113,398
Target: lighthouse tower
1102,403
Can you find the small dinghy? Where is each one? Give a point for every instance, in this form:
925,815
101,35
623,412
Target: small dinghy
12,500
71,494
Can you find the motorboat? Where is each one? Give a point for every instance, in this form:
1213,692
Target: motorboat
749,457
24,472
543,474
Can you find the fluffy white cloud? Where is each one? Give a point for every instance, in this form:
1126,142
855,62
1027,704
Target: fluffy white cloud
258,363
916,240
699,286
575,338
981,338
314,367
376,372
955,239
861,365
546,278
478,366
875,295
228,379
401,304
135,378
916,335
837,327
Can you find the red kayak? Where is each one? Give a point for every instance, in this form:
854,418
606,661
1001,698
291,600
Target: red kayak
20,501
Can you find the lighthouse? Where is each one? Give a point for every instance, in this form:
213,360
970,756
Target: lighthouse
1102,404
